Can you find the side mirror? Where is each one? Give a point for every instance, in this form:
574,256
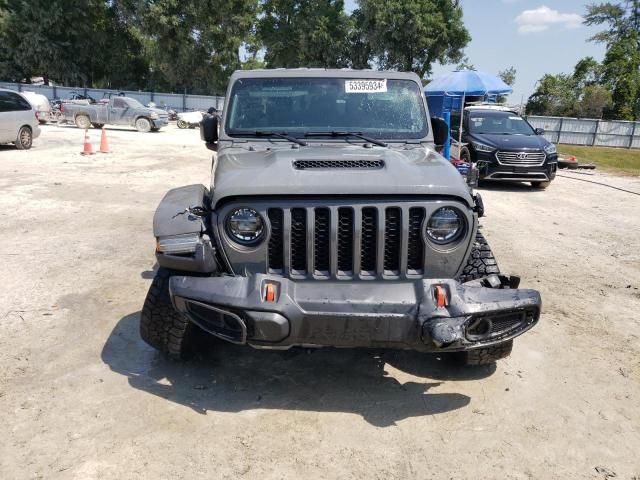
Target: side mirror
440,130
209,131
539,131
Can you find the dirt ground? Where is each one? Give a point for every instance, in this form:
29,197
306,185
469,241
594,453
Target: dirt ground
82,397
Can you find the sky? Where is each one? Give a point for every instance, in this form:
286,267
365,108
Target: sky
533,36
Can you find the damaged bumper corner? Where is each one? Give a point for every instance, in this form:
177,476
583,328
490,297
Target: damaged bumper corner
267,311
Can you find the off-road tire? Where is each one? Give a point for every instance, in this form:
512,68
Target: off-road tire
540,185
481,261
97,125
465,155
161,326
82,121
155,129
143,125
486,355
24,140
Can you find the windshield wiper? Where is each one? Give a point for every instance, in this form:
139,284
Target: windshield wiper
346,134
283,135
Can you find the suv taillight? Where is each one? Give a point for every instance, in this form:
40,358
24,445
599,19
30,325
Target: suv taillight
37,115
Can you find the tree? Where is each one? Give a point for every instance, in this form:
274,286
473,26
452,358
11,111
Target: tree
555,95
75,42
465,64
411,35
508,76
596,99
621,65
195,45
304,33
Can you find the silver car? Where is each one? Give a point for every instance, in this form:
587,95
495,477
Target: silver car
18,120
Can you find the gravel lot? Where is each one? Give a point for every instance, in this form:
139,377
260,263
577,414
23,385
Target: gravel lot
82,397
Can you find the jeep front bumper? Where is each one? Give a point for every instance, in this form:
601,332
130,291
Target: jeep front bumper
267,311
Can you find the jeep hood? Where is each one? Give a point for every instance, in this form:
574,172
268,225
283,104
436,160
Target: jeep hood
412,171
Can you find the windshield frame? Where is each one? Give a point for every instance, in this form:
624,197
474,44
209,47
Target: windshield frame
423,136
488,113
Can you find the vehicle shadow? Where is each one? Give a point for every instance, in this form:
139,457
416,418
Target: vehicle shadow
523,187
229,378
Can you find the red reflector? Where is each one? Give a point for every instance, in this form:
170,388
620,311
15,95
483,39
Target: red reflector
441,296
270,293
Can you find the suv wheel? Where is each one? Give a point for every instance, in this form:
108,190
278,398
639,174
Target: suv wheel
24,139
540,185
481,261
82,121
465,154
161,326
143,125
486,355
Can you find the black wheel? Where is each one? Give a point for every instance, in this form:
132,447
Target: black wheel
42,122
465,154
481,261
24,139
486,355
143,125
82,121
97,125
182,124
155,129
161,326
540,185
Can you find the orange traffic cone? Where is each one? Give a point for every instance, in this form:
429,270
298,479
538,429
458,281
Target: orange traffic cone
104,144
88,149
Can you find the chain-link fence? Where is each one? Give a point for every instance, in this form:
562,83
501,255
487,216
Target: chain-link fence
175,101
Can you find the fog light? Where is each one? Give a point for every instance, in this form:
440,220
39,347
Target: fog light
176,244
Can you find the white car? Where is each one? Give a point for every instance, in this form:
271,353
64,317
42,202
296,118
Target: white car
41,105
18,120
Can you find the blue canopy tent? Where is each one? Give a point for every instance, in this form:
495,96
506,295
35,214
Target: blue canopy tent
448,92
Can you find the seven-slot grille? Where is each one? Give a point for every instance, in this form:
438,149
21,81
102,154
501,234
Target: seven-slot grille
521,159
367,241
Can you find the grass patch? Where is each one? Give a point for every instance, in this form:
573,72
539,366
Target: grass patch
620,160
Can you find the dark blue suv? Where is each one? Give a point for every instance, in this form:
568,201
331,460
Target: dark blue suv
504,146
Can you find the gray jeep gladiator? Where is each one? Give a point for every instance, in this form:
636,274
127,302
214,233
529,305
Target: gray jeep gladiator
330,221
117,111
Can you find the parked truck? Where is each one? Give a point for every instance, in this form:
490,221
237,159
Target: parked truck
330,220
116,111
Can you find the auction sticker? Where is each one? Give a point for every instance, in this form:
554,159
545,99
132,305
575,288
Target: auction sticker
365,86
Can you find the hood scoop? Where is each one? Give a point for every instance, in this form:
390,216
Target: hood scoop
338,164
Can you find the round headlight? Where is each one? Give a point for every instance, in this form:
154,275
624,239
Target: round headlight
445,225
245,226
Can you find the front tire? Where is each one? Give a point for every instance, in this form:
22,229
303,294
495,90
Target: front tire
481,261
97,125
143,125
182,124
161,326
82,121
487,355
465,155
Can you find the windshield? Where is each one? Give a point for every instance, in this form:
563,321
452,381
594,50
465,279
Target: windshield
381,108
133,103
500,123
